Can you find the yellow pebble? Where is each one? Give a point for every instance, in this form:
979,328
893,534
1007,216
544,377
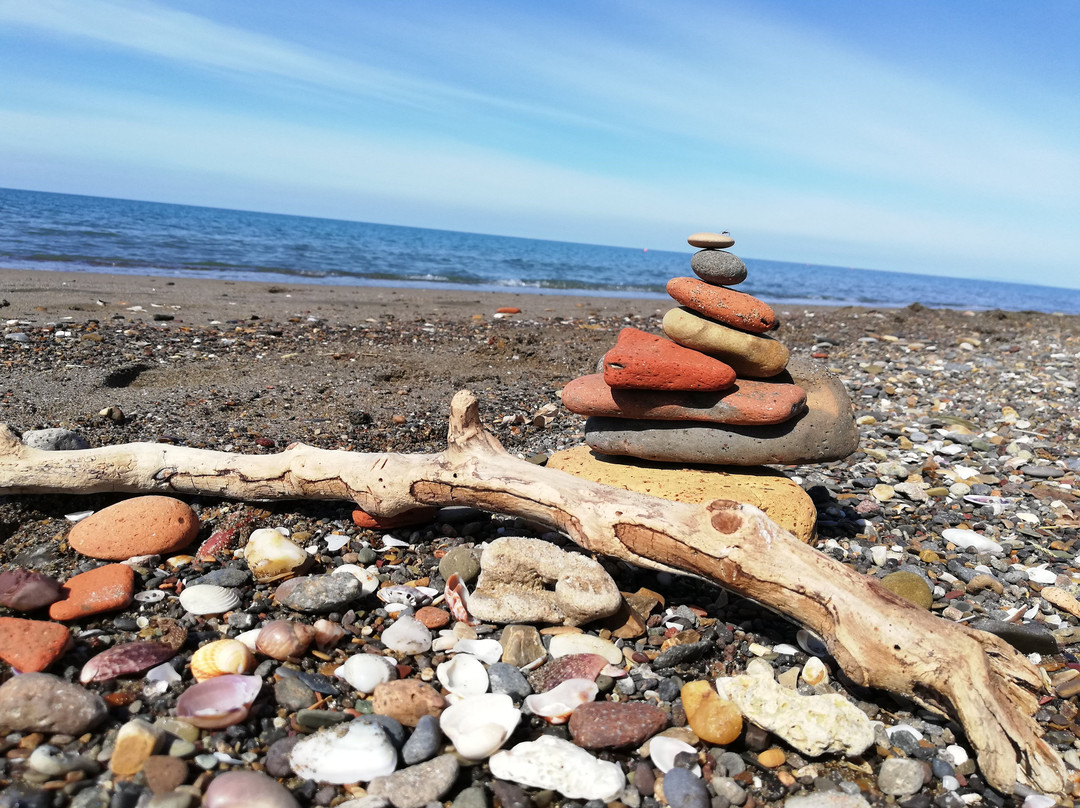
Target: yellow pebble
714,719
771,758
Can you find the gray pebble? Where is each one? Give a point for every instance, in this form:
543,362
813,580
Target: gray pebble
94,797
391,726
206,761
472,797
681,654
728,789
417,785
684,789
732,763
1027,638
293,695
900,777
277,757
718,267
172,799
42,702
318,594
229,576
424,742
460,560
507,679
54,440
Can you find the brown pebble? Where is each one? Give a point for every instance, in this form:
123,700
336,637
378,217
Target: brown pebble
772,757
407,700
609,725
164,773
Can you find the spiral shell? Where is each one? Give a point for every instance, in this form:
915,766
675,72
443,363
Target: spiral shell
220,658
284,639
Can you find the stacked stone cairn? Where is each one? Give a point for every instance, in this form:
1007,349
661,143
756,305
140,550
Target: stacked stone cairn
716,390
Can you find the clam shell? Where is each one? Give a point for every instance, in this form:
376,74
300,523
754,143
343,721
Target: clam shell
218,702
365,672
208,599
271,556
480,725
556,705
369,581
489,651
220,658
284,639
811,643
664,749
464,675
131,657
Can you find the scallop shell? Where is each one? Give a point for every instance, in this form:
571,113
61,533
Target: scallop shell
208,599
271,556
284,639
556,705
480,725
663,750
220,658
814,672
130,657
489,651
219,702
464,675
365,672
369,581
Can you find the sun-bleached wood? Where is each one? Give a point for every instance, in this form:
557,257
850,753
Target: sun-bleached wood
879,639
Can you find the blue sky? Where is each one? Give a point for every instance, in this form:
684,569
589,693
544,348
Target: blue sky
941,138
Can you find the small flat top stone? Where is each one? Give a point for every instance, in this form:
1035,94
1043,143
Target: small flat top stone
713,240
30,646
152,525
104,589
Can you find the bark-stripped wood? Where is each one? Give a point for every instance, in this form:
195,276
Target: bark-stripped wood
879,639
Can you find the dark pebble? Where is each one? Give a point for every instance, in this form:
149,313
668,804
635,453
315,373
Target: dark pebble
277,757
425,741
1028,638
731,763
293,695
644,778
510,795
756,738
684,789
681,654
228,576
507,679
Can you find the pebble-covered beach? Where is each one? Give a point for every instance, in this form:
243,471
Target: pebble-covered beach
963,491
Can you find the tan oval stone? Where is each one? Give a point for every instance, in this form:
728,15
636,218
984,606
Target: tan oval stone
152,525
712,718
407,700
719,241
749,354
782,500
771,758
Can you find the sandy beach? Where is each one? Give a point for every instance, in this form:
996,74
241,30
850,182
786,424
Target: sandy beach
954,403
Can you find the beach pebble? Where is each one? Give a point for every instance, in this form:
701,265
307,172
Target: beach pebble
407,636
684,789
718,267
247,789
461,561
755,355
507,679
1029,638
900,777
521,645
152,525
433,617
417,785
609,725
135,742
713,719
164,773
24,590
31,646
54,440
681,654
41,702
413,516
365,672
827,799
407,701
552,763
910,586
710,241
566,644
355,751
318,594
228,577
645,361
425,741
728,306
104,589
52,762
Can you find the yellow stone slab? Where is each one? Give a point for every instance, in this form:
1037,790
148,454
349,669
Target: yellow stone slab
779,497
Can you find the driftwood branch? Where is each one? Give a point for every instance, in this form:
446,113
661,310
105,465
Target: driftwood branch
879,639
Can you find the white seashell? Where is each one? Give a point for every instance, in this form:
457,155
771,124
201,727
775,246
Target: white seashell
489,651
890,731
444,642
811,642
208,599
407,636
365,672
552,763
566,644
1036,800
479,725
663,749
348,753
163,673
271,556
249,638
150,596
970,540
464,675
369,581
814,672
786,649
394,609
1041,575
78,516
555,705
335,541
957,754
389,541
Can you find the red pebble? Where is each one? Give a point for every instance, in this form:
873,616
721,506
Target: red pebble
30,646
104,589
643,361
415,516
508,310
736,309
433,617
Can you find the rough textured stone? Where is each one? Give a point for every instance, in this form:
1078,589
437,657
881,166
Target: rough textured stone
319,594
909,586
41,702
24,590
815,725
748,402
417,785
736,309
164,773
407,700
414,516
783,500
609,725
512,583
900,777
521,645
646,361
30,646
551,762
826,431
54,439
710,240
433,617
152,525
827,799
104,589
756,355
718,267
462,561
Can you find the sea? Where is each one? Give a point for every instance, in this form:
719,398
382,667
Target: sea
50,231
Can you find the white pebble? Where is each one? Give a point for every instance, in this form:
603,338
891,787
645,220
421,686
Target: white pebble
407,636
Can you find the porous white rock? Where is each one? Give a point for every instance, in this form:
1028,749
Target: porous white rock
515,574
815,725
550,762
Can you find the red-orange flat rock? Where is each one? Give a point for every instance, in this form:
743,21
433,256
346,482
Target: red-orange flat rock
747,403
30,646
736,309
104,589
415,516
644,361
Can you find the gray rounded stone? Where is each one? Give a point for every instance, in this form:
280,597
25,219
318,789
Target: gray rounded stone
42,702
425,741
461,560
901,777
718,267
684,789
293,695
471,797
318,594
507,679
54,440
417,785
277,756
